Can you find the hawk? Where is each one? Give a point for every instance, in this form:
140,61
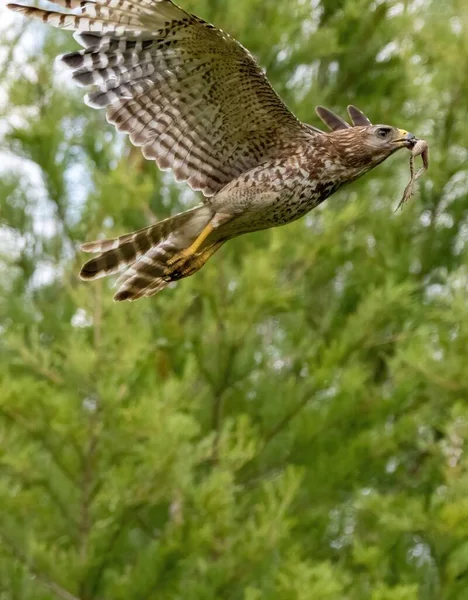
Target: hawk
197,102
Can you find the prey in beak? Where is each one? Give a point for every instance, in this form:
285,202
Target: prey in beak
418,148
406,139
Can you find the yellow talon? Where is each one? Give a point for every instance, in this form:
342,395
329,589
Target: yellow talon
187,253
189,267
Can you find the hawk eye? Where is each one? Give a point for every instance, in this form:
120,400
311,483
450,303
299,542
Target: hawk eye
383,132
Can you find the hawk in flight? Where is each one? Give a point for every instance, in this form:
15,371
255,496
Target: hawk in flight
197,102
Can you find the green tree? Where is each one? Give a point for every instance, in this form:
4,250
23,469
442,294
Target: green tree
291,422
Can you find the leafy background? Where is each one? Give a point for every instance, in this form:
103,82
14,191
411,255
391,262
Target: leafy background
291,422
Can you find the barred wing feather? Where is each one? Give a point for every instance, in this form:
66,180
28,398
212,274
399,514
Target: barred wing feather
191,96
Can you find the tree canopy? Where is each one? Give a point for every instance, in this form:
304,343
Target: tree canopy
292,421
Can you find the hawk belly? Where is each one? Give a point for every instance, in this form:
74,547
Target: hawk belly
269,197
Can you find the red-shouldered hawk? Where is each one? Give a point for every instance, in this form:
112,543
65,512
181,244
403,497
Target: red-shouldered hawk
197,103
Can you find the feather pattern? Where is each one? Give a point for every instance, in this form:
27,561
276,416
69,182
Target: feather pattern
333,121
358,117
144,253
191,96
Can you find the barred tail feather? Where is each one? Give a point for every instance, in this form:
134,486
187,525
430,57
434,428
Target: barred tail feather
145,253
145,277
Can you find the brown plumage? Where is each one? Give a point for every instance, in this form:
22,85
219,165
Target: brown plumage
198,103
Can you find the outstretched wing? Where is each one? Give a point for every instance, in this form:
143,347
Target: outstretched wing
191,96
334,122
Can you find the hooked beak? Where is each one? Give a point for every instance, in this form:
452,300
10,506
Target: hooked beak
406,139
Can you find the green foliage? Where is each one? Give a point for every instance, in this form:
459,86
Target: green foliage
292,421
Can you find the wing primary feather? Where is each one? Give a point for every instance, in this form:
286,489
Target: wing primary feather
332,121
358,117
240,120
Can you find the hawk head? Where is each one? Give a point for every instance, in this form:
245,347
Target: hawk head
363,145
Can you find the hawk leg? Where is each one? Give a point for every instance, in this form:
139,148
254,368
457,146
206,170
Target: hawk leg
180,262
191,266
188,253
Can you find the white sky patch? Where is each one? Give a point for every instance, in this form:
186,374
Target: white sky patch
387,52
456,25
81,319
302,79
395,10
462,239
9,245
45,273
7,17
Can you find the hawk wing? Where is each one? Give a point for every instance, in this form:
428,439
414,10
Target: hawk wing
190,95
335,122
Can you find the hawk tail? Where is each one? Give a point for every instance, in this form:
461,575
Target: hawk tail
145,253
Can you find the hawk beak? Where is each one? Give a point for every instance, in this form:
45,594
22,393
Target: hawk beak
406,138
